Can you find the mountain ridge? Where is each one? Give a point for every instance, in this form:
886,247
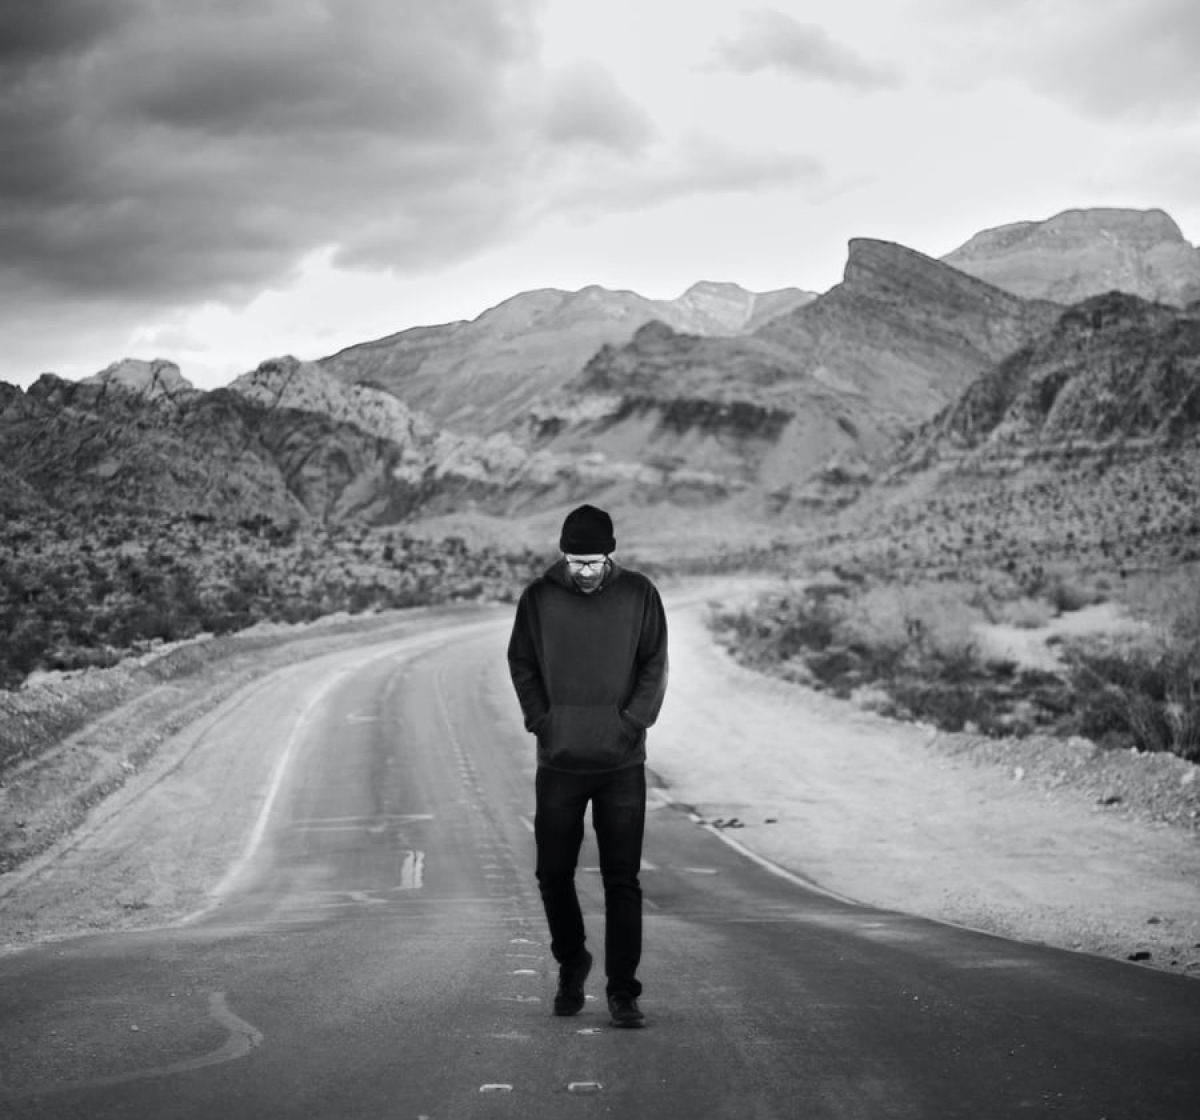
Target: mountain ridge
1081,253
485,375
802,407
812,400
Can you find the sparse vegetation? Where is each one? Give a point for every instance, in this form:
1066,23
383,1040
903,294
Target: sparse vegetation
1149,691
115,583
1069,517
912,651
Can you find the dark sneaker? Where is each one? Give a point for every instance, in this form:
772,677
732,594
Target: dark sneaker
623,1011
568,1000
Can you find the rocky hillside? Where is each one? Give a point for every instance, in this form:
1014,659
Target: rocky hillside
484,376
1114,368
225,454
287,443
810,401
1081,448
1082,253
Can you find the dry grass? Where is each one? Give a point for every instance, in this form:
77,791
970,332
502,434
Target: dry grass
911,650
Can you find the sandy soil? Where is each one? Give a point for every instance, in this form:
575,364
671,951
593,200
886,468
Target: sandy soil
877,811
991,836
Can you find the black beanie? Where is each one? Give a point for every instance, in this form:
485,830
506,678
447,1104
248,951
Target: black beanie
587,531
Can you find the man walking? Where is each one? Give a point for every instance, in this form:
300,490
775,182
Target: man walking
588,658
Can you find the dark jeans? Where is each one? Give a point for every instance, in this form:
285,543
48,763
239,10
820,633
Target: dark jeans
618,800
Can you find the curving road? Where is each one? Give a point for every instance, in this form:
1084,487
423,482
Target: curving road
379,951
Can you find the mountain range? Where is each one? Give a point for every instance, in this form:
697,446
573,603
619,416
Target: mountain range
485,375
761,408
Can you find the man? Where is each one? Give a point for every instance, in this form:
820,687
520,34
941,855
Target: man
588,658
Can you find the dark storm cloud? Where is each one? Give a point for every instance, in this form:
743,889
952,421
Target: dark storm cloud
769,39
38,28
202,148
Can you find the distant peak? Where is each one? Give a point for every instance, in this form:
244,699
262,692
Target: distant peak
154,378
287,363
867,256
1144,227
724,288
1080,253
1153,223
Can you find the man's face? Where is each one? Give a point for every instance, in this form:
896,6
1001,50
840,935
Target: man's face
588,570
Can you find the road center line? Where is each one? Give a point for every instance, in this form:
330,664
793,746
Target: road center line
319,822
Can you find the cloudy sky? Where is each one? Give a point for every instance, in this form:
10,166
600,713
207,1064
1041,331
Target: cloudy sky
221,181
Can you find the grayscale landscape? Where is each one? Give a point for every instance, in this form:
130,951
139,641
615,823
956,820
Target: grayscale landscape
925,799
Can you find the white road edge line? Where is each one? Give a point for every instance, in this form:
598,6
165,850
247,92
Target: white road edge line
264,813
762,861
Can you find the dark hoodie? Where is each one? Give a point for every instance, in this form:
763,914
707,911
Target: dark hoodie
590,670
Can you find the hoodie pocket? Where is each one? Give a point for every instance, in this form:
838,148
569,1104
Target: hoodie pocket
586,737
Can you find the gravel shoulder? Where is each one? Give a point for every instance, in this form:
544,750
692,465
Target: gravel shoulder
1055,843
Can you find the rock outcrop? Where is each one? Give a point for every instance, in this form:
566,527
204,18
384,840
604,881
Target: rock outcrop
155,380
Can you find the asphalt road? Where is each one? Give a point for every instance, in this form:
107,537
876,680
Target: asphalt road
380,952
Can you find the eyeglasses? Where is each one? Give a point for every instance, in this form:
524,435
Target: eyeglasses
580,565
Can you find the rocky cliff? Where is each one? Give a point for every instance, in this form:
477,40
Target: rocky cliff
1082,253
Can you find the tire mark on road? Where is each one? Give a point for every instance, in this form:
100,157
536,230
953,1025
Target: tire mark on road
243,1037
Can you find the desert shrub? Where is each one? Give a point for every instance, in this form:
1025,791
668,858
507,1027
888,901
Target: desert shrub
1063,588
1152,698
1149,693
917,642
948,705
931,624
880,621
778,627
1025,613
1171,603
